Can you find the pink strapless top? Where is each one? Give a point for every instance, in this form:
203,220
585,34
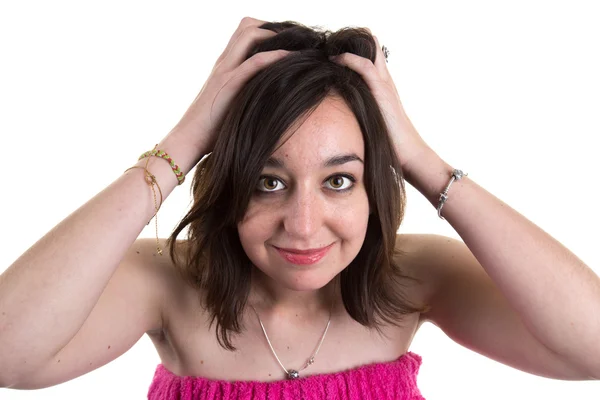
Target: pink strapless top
395,380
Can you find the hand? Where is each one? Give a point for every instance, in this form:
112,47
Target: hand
230,73
408,144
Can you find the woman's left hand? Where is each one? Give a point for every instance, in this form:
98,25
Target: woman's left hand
408,144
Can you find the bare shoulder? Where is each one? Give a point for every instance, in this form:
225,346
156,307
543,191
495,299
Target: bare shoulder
131,304
158,275
161,271
415,255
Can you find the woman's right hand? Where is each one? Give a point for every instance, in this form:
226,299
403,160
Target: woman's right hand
230,73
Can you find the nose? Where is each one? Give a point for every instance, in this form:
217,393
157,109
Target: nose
304,214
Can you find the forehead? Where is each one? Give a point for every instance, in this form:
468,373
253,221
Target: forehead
330,130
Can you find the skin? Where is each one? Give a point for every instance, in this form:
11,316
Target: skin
304,208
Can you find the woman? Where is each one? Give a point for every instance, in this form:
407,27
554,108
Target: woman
240,301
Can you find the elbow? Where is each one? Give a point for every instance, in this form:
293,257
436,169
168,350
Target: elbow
591,375
594,371
14,382
10,378
6,383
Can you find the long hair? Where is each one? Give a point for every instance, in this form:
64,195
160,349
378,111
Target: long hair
271,103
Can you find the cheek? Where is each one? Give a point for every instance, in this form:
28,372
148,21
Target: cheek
352,218
257,212
360,210
256,227
347,217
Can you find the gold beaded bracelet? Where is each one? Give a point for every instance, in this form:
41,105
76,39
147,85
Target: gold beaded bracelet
159,153
151,181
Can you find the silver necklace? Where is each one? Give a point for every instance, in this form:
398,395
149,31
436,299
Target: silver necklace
292,373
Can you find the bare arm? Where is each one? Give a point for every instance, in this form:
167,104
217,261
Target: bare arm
47,293
63,291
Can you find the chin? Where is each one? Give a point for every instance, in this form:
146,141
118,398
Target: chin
307,285
303,281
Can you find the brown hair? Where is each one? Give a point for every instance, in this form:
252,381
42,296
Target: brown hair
272,102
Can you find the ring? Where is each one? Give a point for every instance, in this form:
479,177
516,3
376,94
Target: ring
386,53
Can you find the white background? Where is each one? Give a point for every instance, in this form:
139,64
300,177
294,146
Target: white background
507,91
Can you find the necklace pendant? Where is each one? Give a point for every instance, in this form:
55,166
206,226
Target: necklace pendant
293,374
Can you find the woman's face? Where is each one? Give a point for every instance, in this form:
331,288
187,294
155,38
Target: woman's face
311,195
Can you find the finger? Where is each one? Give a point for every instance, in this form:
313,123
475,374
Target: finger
380,63
257,62
239,50
248,69
379,56
244,23
251,66
362,65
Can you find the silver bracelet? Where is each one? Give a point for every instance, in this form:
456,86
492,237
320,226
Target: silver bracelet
457,174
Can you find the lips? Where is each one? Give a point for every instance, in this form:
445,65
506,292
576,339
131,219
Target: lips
303,257
307,252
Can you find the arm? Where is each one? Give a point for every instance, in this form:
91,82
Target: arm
510,291
69,268
526,269
47,294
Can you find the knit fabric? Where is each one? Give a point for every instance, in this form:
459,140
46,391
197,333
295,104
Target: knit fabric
395,380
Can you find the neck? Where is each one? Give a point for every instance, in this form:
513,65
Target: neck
267,296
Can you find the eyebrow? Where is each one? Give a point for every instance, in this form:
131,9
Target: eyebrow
275,162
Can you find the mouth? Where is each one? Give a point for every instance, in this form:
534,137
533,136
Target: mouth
303,257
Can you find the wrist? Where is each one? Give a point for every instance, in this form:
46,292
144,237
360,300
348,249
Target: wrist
429,174
185,150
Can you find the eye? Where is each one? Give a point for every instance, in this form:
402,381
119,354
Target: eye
268,184
338,183
341,183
